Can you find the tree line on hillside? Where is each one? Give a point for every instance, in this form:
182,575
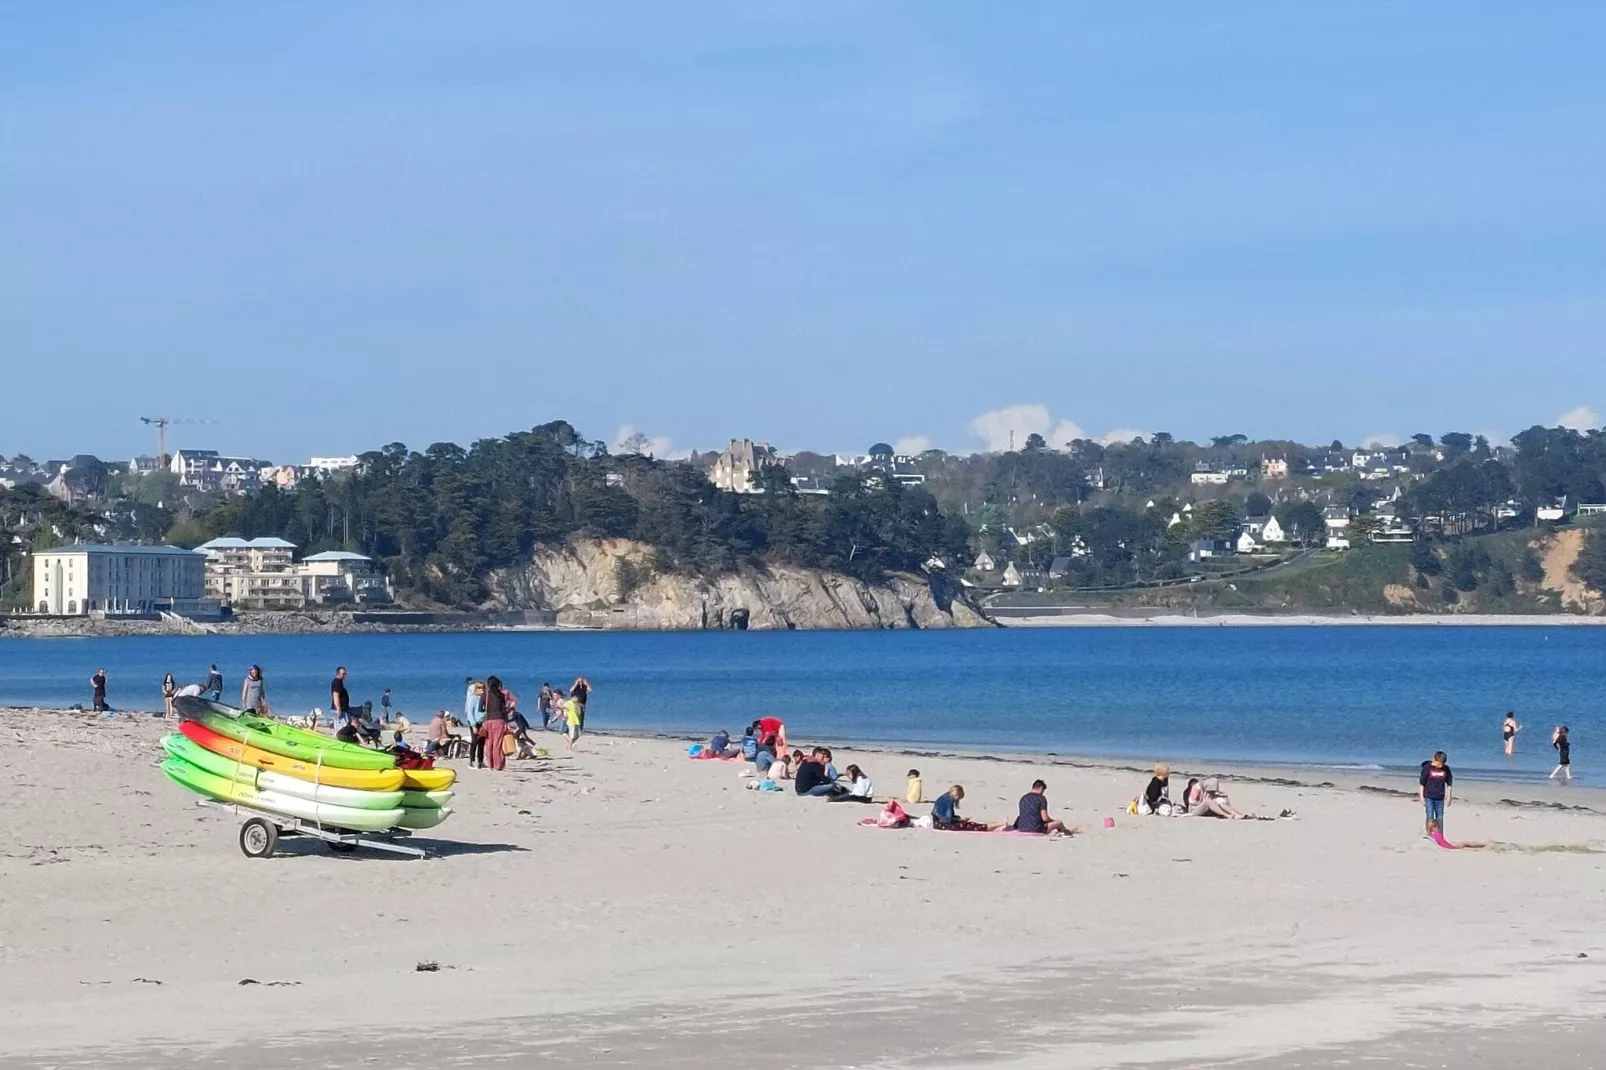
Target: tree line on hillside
443,519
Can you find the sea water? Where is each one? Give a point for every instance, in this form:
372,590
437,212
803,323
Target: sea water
1351,697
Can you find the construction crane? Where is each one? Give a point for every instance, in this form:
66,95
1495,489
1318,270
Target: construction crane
161,423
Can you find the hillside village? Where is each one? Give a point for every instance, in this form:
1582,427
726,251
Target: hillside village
1081,516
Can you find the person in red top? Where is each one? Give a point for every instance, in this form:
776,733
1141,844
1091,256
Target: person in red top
773,727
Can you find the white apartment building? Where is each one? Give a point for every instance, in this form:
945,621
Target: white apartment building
260,555
262,573
328,465
89,578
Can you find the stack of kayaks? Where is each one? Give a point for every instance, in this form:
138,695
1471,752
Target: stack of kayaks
236,757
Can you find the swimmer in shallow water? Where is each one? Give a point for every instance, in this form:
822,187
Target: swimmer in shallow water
1508,731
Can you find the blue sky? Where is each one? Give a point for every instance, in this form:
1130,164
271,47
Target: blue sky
821,223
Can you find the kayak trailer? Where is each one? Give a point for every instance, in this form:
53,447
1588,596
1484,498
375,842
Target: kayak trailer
260,833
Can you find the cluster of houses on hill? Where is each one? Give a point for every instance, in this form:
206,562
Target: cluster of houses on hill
83,478
737,468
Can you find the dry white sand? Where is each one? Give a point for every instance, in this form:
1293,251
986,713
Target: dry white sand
632,908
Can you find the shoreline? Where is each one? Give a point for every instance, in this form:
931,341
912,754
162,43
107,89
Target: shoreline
1298,620
1340,776
83,628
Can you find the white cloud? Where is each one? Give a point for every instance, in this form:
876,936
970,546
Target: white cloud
1122,435
911,444
659,446
1583,418
1001,428
1383,440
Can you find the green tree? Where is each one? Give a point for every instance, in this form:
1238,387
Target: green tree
1532,570
1590,566
1215,519
1302,521
1257,504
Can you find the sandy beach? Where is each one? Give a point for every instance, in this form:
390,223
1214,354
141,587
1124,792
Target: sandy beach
629,907
1095,619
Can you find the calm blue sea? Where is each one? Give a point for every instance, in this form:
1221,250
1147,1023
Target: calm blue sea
1349,696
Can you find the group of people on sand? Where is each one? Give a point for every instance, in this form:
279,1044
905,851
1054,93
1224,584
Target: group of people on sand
253,692
1202,797
812,773
491,714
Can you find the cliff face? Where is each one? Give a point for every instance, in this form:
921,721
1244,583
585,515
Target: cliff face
610,583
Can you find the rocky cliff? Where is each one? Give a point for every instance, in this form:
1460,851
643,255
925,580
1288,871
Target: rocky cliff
611,583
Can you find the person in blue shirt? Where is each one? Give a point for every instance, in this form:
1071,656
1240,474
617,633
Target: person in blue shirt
750,742
719,745
945,814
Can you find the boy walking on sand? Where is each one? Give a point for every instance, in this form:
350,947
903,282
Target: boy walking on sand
1434,790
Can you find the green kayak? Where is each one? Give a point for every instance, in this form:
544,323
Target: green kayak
285,741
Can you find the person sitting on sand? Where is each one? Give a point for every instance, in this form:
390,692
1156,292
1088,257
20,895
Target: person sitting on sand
1206,799
811,776
945,814
1034,813
854,786
1156,798
914,789
438,738
1436,834
750,742
519,725
719,745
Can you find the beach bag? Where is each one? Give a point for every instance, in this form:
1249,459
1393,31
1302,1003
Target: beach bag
510,746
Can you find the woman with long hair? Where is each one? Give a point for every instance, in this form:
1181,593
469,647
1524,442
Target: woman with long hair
254,691
169,689
495,725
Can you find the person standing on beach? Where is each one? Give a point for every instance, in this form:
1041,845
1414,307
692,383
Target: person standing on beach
214,684
579,692
97,684
1508,731
1564,753
384,707
495,726
169,689
574,719
543,705
254,691
339,699
1434,790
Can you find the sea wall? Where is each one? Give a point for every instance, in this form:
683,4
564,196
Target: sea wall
611,583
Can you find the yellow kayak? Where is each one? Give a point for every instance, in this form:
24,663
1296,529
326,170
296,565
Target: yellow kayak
427,779
362,779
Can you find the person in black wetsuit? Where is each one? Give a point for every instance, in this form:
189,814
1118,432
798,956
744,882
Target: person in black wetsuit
1564,754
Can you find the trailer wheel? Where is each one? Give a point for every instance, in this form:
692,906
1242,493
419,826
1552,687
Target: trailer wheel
258,838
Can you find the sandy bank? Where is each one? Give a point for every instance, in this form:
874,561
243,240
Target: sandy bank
630,907
1260,620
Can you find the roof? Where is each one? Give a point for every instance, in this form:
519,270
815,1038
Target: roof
336,555
234,542
102,548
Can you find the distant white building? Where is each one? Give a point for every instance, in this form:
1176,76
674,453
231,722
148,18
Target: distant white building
326,466
1273,532
85,579
211,471
1012,577
262,573
1246,543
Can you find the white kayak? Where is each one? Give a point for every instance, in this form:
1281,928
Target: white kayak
328,794
341,817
